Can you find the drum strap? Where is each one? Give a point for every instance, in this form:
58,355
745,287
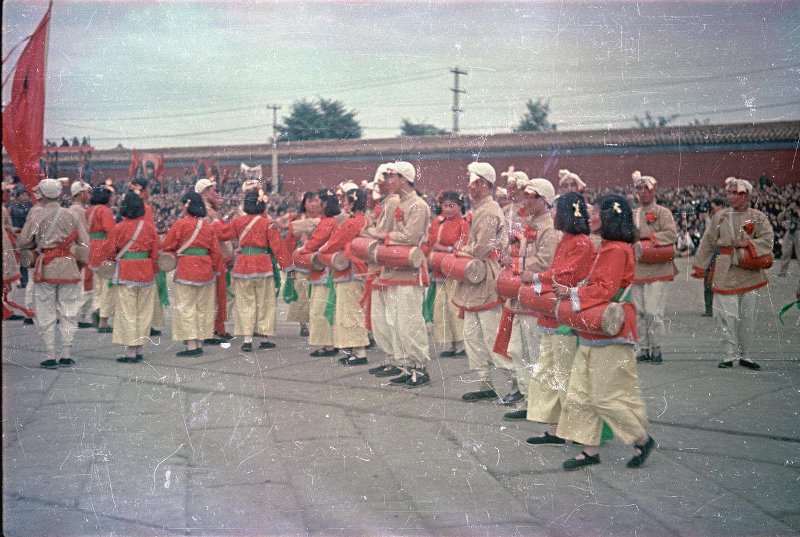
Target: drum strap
131,242
194,235
247,229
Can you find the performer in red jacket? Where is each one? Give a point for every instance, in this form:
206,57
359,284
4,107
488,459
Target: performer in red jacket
253,273
133,276
99,223
199,263
603,384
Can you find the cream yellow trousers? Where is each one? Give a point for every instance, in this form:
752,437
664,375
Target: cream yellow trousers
448,328
523,347
193,312
407,327
255,308
320,332
736,319
104,297
480,331
603,386
349,328
550,378
158,313
57,302
650,300
133,315
299,309
380,330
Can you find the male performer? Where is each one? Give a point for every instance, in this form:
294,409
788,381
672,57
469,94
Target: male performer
649,287
715,206
789,219
488,241
80,200
207,188
405,287
61,243
744,238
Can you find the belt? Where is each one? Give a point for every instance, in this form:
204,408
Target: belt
98,235
135,255
195,251
254,250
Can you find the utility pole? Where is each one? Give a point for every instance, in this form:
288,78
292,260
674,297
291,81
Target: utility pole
456,108
275,109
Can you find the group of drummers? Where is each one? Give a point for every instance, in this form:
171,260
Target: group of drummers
559,298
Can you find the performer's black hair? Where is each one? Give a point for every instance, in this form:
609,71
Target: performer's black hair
251,204
616,219
357,199
196,205
132,206
100,196
566,219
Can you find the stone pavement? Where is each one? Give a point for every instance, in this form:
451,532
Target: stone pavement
278,443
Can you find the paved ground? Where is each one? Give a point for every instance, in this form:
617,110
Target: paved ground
278,443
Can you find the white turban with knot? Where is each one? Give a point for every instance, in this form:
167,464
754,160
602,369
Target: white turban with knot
403,168
500,192
251,184
481,170
639,179
50,188
203,184
346,186
379,173
518,179
543,187
565,175
732,184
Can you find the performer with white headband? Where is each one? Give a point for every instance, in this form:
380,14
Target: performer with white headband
743,236
655,267
570,182
81,192
488,241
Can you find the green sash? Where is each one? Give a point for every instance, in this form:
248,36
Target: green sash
161,285
330,305
195,251
135,255
97,235
427,304
290,292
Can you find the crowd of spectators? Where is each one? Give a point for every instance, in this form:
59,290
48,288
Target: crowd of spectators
84,142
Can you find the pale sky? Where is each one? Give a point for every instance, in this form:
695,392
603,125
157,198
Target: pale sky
160,74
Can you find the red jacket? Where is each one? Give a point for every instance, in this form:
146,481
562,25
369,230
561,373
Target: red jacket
136,272
262,235
322,233
613,270
572,263
194,269
99,220
340,242
445,232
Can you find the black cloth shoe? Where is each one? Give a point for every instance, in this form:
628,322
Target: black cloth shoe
462,352
401,379
14,317
373,370
187,352
447,354
213,341
644,452
480,395
643,357
656,358
516,415
511,398
105,330
707,314
355,360
725,363
587,460
85,325
226,336
247,346
66,362
50,364
155,332
130,359
266,345
323,352
418,378
27,320
303,332
749,364
547,438
388,371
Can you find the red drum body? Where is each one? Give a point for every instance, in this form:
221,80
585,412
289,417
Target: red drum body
399,256
167,261
508,284
336,260
604,319
544,304
106,270
648,252
463,269
306,261
755,262
364,248
435,260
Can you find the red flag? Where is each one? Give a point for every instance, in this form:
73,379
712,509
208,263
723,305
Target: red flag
134,164
23,118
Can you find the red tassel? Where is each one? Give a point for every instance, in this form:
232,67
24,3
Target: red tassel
504,333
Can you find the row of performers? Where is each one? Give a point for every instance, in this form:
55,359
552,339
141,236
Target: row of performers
523,292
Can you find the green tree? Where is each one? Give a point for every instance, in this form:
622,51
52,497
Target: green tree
323,119
420,129
650,122
535,119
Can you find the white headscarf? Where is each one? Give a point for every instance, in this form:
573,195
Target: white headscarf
738,185
646,180
564,175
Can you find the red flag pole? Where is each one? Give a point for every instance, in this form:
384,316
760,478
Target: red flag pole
23,118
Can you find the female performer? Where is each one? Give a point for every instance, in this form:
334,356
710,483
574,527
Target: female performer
196,245
100,221
134,276
603,384
310,211
349,327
